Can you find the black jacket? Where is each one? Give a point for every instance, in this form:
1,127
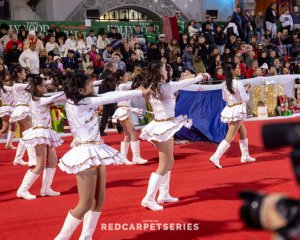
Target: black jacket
270,17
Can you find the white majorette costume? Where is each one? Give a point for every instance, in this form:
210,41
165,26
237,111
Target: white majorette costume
236,103
122,113
234,111
124,109
6,109
161,129
21,102
21,111
165,124
90,150
7,99
41,131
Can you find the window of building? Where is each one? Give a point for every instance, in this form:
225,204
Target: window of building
125,15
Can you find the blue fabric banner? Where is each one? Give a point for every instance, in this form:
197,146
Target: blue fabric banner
204,108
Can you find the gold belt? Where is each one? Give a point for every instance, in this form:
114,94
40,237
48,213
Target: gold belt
41,127
234,104
124,106
3,105
90,142
164,120
24,105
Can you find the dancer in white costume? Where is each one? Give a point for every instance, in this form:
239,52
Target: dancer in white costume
161,130
123,115
21,114
88,159
7,98
236,96
43,138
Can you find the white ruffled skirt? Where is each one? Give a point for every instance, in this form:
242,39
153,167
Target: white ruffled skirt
163,131
34,137
85,156
19,113
234,113
123,113
6,110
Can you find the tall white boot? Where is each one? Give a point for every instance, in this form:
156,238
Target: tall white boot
47,181
153,185
164,188
136,153
222,148
9,141
31,156
19,154
124,151
27,182
90,221
70,225
245,152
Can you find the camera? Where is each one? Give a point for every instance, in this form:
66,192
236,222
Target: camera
276,212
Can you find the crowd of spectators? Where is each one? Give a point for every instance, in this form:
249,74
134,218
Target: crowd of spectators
262,45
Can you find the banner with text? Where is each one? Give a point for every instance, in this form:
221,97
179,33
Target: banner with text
124,28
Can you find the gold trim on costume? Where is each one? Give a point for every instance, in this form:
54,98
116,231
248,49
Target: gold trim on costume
233,117
164,120
236,104
124,106
90,158
41,127
24,105
183,120
59,140
90,142
124,115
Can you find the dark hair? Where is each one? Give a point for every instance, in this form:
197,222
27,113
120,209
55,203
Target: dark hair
109,83
169,69
72,84
154,76
56,76
17,70
140,80
34,83
118,75
2,77
228,76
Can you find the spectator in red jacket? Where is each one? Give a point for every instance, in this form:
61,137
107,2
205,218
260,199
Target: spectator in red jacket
220,76
14,39
98,64
242,66
251,70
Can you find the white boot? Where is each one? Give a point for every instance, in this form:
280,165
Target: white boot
245,152
70,225
153,185
90,221
27,182
164,188
136,153
47,181
10,138
19,154
31,156
124,151
222,148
